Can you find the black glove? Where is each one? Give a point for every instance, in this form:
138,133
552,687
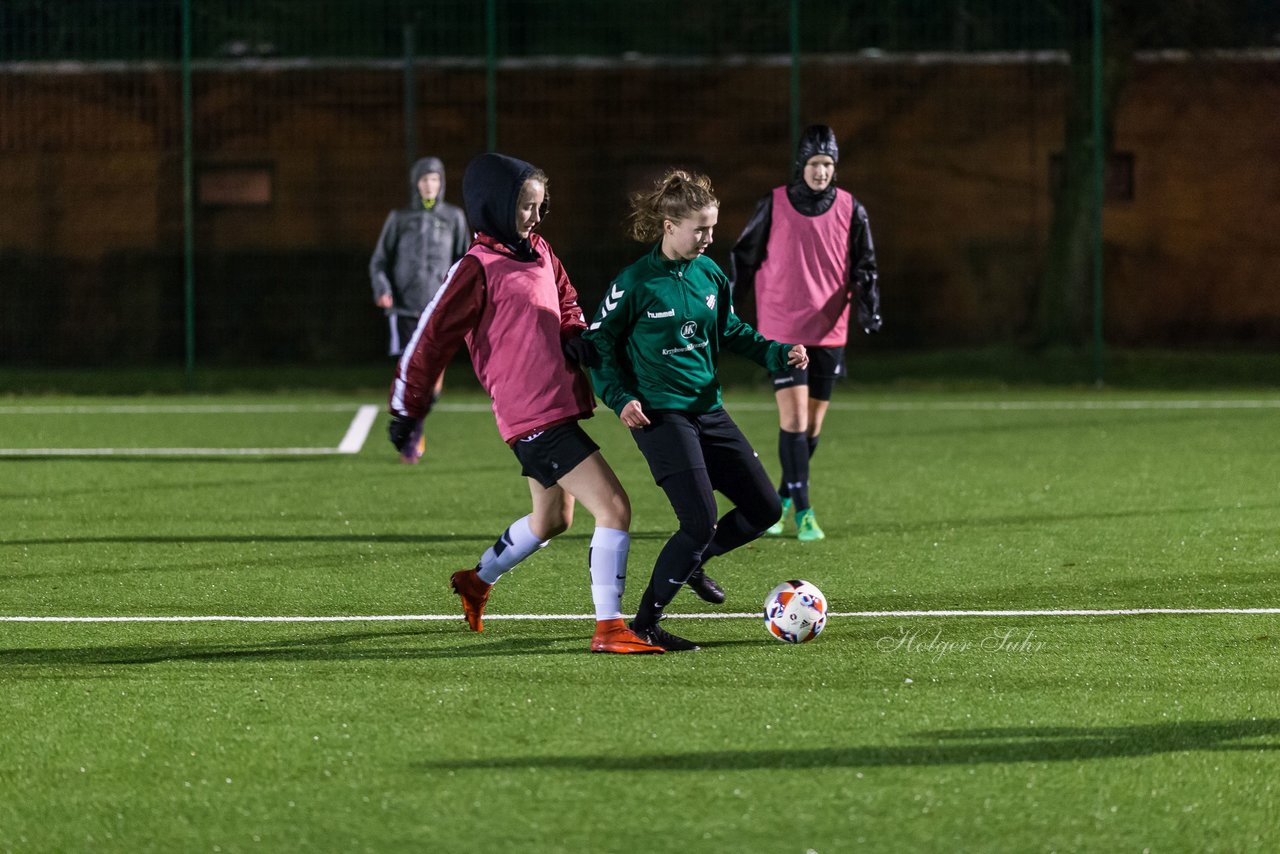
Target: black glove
581,352
400,430
868,304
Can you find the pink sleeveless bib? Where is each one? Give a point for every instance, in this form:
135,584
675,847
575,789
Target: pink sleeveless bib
515,348
802,292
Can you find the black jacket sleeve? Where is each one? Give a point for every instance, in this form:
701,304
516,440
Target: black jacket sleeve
864,278
750,250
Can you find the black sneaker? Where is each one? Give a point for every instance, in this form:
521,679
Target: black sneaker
705,587
659,636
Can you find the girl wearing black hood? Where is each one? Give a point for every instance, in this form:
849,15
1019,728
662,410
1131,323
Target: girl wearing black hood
807,252
510,300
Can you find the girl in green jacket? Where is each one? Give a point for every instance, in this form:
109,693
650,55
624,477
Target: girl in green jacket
659,331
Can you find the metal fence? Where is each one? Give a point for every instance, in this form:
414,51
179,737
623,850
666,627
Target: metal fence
202,181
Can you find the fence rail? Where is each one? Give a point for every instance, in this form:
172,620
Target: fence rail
954,121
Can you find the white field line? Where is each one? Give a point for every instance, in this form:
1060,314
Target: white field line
416,618
845,405
1024,405
367,413
351,443
359,430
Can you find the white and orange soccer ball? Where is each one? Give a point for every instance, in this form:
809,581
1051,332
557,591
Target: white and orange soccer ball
795,612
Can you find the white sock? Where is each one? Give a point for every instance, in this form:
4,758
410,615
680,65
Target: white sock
515,544
608,561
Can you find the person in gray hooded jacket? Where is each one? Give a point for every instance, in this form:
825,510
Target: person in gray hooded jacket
413,256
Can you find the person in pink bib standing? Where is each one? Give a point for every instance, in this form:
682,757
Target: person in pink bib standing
510,300
808,255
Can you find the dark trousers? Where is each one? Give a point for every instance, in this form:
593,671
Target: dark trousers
692,457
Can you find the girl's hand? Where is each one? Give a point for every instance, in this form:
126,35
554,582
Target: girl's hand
798,357
633,416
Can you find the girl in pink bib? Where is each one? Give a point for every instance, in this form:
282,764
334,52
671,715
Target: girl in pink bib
807,253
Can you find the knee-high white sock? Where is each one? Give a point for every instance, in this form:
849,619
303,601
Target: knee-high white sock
515,544
608,560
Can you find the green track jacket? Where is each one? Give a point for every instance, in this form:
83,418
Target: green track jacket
659,330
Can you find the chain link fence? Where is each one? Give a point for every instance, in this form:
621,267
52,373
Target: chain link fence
301,117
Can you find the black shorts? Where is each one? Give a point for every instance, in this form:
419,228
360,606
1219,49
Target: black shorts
826,365
402,327
550,454
681,441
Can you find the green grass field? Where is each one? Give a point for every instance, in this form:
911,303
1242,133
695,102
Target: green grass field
894,731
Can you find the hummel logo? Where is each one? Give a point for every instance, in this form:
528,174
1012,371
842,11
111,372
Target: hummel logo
611,298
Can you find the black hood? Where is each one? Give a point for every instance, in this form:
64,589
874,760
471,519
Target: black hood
423,167
491,189
816,139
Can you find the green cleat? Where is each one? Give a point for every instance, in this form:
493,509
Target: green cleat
775,530
807,525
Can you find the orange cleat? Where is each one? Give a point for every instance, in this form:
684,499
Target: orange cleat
614,636
417,446
474,593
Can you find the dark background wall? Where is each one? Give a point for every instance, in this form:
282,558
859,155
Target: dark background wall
953,157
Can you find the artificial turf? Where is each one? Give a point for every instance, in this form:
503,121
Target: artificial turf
896,732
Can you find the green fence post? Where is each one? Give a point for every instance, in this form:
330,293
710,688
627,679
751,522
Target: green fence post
410,110
491,73
188,202
1099,192
795,73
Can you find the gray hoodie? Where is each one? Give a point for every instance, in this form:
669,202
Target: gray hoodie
418,246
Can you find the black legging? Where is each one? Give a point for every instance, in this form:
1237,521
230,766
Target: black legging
700,537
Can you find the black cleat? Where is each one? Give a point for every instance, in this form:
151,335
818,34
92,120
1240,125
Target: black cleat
705,587
659,636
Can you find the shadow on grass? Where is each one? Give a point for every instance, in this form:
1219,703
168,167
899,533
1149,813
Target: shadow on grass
993,423
1037,519
372,539
184,539
352,646
949,747
1210,588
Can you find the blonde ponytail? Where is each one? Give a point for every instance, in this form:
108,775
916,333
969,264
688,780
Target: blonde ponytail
676,196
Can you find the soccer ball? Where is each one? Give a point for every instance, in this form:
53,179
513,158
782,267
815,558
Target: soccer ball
795,612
